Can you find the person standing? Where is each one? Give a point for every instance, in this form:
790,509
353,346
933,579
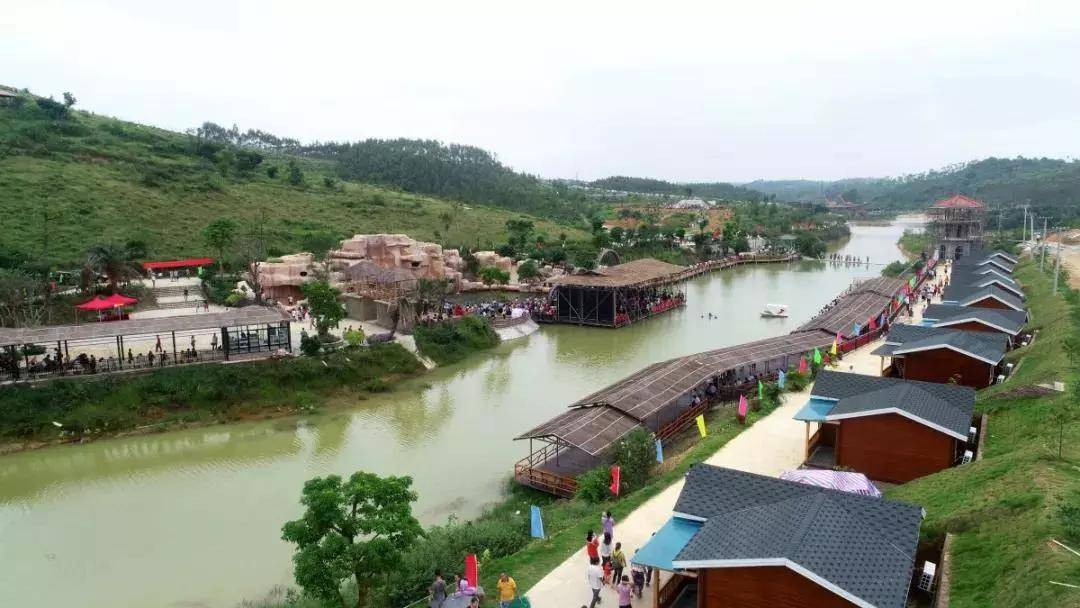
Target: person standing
437,590
213,342
507,590
596,581
157,344
624,591
605,550
607,523
192,343
618,563
592,546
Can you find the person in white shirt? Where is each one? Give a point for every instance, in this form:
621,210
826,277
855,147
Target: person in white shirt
596,581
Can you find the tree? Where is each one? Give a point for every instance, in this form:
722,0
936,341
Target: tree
272,171
296,175
702,224
617,234
220,235
19,302
252,253
430,295
137,249
809,245
69,99
521,231
729,236
52,108
491,275
320,244
354,531
325,307
527,271
112,262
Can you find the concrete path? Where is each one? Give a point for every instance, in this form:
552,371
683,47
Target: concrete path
774,445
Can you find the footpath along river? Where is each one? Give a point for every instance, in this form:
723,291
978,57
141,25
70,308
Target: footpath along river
193,518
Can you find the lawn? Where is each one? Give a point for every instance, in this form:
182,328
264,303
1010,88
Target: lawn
1003,509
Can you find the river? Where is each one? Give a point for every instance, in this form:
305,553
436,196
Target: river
192,518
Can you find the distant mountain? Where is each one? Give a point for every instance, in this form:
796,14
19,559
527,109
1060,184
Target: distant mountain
710,190
1050,186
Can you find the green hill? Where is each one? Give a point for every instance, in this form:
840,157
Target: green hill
70,179
647,185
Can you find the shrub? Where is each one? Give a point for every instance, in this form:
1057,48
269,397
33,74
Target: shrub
795,382
354,337
272,171
448,342
491,275
310,345
234,298
635,454
1069,515
594,485
528,271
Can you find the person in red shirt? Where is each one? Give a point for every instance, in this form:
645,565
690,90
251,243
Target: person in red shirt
592,546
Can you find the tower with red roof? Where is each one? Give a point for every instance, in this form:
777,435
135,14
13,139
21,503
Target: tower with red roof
956,223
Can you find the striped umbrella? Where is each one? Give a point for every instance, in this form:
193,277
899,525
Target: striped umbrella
854,483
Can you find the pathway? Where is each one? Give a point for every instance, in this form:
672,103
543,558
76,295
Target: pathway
771,446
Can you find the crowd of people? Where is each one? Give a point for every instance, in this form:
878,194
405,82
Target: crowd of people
608,563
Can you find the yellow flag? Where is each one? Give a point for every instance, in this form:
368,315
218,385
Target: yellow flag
832,351
701,425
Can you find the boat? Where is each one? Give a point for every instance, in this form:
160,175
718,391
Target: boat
778,311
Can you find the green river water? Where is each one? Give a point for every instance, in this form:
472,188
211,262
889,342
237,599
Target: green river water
192,518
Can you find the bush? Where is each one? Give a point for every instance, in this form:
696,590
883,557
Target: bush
491,275
449,341
795,382
1069,515
354,337
635,454
595,485
893,269
310,345
235,298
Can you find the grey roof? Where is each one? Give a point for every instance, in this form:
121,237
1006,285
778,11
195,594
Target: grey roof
969,275
975,260
959,291
865,300
1008,257
948,406
969,297
248,315
1009,321
985,345
864,546
592,429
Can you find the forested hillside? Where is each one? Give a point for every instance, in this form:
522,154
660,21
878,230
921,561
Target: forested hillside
71,179
707,190
1050,186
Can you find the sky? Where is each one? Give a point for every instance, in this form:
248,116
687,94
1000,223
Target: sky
710,91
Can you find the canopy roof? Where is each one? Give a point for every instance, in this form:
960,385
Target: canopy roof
248,315
668,541
859,547
184,263
106,303
630,274
958,201
845,481
865,300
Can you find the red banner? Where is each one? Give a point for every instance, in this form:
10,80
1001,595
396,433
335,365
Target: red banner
615,479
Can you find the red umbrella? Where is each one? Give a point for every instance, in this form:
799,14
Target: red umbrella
103,303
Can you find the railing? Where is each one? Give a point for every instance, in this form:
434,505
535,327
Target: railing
670,591
525,472
682,420
503,323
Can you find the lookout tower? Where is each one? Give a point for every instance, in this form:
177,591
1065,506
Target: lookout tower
956,225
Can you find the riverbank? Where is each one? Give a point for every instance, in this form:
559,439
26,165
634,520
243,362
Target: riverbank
76,411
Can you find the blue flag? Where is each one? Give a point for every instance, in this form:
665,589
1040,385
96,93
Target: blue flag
781,376
537,523
659,451
857,328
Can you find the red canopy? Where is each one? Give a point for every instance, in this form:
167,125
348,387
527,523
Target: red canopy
185,263
106,303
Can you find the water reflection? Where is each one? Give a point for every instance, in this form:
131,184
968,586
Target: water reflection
193,517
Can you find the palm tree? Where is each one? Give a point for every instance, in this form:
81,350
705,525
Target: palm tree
113,262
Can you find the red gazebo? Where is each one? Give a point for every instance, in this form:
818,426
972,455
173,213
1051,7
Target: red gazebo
104,303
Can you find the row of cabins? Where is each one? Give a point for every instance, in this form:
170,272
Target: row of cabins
740,539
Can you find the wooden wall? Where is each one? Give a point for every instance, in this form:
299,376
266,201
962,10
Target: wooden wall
990,303
892,448
941,364
763,587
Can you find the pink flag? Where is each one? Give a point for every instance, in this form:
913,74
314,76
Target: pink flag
615,479
802,365
471,570
743,405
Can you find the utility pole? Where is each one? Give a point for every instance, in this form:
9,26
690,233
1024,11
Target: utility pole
1057,268
1023,231
1042,258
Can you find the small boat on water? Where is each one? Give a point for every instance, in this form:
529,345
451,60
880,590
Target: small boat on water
778,311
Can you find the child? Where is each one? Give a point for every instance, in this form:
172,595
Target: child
607,572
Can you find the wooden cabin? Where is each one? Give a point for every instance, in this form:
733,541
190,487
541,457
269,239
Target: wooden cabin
888,429
1008,323
740,539
992,295
933,354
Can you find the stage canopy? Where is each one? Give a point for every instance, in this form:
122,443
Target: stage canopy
107,303
173,264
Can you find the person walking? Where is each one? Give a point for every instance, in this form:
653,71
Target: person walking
437,590
592,546
606,550
607,523
618,564
185,294
624,590
157,344
596,581
193,343
507,590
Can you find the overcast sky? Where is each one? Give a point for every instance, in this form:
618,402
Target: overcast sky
709,91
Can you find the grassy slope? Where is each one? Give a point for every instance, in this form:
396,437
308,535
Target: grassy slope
109,180
1002,509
